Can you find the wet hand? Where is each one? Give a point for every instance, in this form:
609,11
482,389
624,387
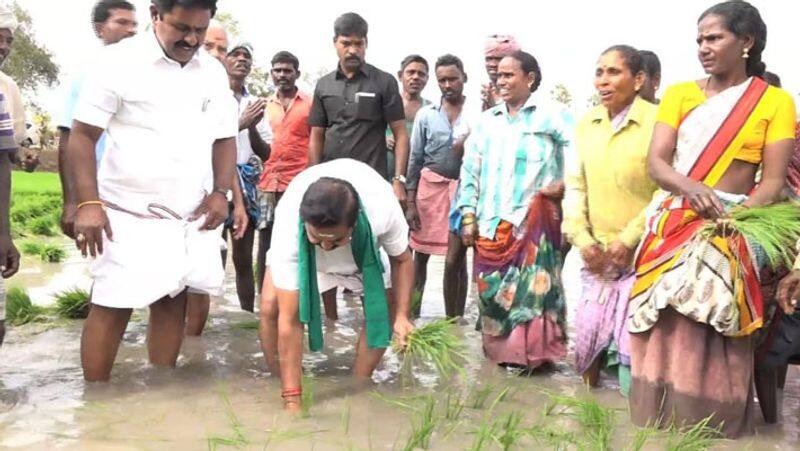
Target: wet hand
215,209
402,327
594,259
788,290
703,200
240,221
68,219
400,193
412,216
9,257
252,114
620,255
90,224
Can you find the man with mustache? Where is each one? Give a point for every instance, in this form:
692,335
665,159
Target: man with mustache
413,76
113,21
288,111
353,105
153,229
252,147
9,142
437,147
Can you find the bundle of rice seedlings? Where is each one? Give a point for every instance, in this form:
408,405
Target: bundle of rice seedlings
31,248
19,308
437,343
53,253
72,303
776,228
41,226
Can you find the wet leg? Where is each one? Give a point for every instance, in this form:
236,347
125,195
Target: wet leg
165,330
243,265
102,333
197,308
455,277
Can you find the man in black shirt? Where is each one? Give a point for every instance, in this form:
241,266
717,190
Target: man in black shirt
353,105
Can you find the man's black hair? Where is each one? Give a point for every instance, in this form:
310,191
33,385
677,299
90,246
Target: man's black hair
350,24
286,57
330,202
102,9
413,59
165,6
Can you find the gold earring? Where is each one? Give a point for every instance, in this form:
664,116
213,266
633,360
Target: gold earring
746,53
530,85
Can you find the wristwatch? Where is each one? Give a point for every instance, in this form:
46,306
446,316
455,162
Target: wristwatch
400,178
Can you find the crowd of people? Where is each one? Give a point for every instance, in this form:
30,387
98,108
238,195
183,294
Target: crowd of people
356,185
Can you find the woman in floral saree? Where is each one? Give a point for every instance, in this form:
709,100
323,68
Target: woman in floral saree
696,302
511,188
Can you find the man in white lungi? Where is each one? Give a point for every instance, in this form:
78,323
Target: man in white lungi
337,224
151,214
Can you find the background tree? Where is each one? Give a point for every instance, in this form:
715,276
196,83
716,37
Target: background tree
30,64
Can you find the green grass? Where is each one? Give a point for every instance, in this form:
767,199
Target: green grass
698,437
596,421
19,308
72,303
31,248
246,325
423,423
53,253
42,225
509,430
480,396
35,182
436,343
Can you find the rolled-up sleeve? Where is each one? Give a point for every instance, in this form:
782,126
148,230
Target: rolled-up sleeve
395,240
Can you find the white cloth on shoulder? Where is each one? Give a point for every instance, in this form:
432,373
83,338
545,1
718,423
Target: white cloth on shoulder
152,258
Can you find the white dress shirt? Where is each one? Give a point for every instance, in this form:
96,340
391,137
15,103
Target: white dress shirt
389,226
161,120
244,149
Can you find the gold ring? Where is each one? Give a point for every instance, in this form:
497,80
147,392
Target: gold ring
80,238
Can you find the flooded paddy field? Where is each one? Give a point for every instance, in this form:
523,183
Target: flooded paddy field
221,397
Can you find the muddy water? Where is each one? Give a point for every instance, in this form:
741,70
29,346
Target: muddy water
219,393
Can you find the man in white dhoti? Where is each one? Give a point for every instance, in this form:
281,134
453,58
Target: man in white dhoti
337,224
151,214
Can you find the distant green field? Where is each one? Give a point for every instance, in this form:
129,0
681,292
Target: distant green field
35,183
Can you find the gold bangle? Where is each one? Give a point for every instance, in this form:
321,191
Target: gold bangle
90,202
467,221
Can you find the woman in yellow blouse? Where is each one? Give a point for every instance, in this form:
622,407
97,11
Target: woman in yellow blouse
696,302
606,193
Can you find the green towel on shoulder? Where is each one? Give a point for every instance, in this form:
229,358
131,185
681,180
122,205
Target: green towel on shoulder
365,254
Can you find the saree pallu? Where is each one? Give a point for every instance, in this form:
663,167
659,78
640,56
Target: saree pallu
520,295
696,301
600,324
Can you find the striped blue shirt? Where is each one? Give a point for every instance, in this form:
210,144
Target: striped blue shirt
507,160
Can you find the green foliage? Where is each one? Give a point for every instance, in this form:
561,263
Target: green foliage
776,228
698,437
436,343
53,253
596,421
480,396
72,303
30,64
246,325
31,248
19,308
423,423
42,225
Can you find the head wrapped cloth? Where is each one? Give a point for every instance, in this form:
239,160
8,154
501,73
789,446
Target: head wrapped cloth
7,19
242,45
498,45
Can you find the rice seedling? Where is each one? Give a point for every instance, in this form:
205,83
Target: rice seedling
238,439
19,308
72,303
508,430
552,437
776,228
31,248
698,437
642,436
408,403
41,226
596,421
423,424
53,253
436,343
484,435
307,397
500,398
346,417
453,406
480,396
